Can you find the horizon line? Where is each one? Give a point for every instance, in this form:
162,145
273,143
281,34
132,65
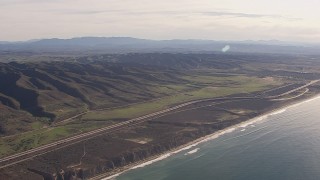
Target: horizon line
150,39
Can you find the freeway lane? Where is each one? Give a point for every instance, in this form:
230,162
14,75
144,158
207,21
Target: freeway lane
19,157
81,137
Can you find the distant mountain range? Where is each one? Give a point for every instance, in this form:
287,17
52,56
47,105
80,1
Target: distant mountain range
128,44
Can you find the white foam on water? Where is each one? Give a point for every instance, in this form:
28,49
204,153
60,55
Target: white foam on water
112,177
242,130
192,152
205,139
279,112
208,138
212,137
252,121
139,166
306,101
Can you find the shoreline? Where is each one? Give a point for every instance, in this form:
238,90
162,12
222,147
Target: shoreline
148,161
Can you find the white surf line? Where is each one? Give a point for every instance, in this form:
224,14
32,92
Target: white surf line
212,137
192,152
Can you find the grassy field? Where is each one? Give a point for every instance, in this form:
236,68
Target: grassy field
198,87
29,140
229,86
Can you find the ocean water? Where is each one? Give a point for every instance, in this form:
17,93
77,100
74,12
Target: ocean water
281,146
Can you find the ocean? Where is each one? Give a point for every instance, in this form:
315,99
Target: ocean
284,145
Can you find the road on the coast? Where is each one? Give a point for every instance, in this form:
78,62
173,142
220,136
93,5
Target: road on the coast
19,157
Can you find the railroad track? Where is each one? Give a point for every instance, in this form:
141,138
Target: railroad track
19,157
81,137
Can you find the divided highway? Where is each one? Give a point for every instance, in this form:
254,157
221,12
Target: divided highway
19,157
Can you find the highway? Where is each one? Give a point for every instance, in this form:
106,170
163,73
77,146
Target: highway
296,89
19,157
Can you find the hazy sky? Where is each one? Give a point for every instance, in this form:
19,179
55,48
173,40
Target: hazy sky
289,20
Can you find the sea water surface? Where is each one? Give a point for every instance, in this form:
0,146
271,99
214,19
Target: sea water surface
282,146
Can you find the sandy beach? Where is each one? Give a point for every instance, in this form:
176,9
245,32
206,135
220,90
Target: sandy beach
190,145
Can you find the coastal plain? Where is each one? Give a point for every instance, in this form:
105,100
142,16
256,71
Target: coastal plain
55,100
